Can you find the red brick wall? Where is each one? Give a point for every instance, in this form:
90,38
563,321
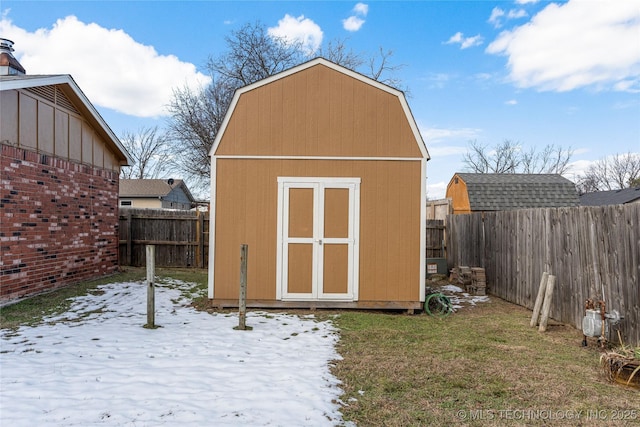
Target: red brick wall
58,222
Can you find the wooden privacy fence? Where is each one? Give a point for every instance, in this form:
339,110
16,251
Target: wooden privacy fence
181,238
435,239
590,250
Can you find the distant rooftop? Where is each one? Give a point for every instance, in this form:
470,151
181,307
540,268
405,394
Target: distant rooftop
150,187
492,192
613,197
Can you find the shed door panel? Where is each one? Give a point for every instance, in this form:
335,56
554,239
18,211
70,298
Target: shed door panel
318,238
300,268
301,212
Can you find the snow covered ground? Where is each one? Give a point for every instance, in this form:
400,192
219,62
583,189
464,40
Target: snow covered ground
459,298
97,365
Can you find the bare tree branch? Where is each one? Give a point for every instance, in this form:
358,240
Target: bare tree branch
251,54
337,52
380,66
552,159
149,150
611,173
503,158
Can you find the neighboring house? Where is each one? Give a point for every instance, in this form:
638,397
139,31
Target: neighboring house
482,192
155,194
613,197
322,173
59,168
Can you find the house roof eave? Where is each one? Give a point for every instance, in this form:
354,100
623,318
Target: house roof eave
73,91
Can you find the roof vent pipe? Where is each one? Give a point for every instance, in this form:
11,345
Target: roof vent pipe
9,65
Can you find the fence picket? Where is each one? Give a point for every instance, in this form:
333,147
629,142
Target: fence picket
180,237
586,248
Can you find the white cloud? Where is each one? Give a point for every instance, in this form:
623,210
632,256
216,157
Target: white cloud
111,68
527,1
352,23
356,21
577,169
576,44
361,9
298,30
511,102
437,190
494,19
465,42
438,80
471,41
456,38
517,13
434,135
498,14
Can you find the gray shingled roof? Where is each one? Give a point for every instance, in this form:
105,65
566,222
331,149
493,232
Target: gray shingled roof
494,192
148,187
613,197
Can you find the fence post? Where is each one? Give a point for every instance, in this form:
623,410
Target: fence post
200,239
151,288
539,299
546,307
129,237
242,304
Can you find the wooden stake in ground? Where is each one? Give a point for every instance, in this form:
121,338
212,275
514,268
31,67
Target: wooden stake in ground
546,306
242,303
539,298
151,288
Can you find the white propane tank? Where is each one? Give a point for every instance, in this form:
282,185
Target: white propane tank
592,323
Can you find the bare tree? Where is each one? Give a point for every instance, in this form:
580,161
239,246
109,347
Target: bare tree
251,55
337,52
195,121
380,67
508,157
611,173
149,150
552,159
503,158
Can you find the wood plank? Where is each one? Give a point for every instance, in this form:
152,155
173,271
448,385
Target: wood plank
586,248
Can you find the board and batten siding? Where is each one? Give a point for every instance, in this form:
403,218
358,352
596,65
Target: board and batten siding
246,212
45,121
318,112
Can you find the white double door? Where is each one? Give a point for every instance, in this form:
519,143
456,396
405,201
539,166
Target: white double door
318,231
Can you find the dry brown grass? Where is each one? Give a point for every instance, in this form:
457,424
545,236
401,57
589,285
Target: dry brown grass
480,366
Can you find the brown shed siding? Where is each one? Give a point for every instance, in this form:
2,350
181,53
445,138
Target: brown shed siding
390,206
457,192
318,112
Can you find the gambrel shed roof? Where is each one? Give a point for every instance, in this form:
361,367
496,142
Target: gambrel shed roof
286,109
494,192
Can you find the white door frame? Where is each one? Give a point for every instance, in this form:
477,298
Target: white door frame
318,184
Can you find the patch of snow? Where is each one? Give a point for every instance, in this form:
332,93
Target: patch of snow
97,365
459,298
451,288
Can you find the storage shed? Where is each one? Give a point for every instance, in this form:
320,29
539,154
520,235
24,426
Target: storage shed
322,172
485,192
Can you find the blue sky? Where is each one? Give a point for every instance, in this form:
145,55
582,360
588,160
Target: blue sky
535,72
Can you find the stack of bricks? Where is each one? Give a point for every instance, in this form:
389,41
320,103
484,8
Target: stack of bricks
478,281
462,276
